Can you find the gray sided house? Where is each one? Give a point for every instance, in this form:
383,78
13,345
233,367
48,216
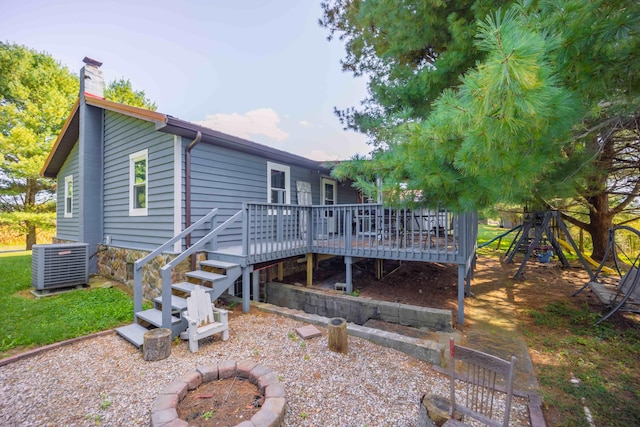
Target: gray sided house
147,190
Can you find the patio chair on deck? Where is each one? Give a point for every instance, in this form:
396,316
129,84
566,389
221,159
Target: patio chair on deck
482,396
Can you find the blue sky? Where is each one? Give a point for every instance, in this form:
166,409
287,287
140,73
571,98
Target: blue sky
261,70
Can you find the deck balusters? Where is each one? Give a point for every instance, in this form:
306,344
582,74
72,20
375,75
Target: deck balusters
362,230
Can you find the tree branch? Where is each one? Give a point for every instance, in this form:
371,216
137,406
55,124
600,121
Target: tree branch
574,221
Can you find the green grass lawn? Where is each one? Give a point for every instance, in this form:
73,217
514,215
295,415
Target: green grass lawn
498,247
603,358
29,322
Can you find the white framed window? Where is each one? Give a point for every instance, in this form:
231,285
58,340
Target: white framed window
68,196
138,184
278,183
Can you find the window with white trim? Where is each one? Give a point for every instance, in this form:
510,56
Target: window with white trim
138,188
278,183
68,196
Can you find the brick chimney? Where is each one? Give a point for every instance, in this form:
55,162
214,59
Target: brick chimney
91,80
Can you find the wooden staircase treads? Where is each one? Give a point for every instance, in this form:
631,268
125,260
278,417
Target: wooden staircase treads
177,302
205,276
154,317
134,333
219,264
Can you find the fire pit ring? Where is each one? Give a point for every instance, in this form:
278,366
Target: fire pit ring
164,410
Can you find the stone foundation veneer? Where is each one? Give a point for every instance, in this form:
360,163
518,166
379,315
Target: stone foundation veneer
117,264
164,411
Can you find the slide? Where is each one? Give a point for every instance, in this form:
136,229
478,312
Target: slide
590,260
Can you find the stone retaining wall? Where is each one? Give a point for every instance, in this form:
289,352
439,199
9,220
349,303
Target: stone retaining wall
357,309
117,264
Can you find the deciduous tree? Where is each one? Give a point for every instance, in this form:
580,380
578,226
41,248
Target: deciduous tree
120,90
36,95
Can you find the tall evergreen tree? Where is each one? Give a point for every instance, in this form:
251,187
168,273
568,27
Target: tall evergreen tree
553,86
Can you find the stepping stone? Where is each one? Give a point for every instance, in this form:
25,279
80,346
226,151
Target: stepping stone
308,332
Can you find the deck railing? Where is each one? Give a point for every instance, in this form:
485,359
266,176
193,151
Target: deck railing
273,231
139,264
276,231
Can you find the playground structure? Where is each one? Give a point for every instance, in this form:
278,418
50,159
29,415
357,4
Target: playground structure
621,293
541,225
538,235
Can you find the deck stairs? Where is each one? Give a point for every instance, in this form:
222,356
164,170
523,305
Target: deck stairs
217,276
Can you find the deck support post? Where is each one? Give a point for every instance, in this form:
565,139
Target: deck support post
246,288
255,279
309,269
348,261
461,292
280,271
379,268
469,277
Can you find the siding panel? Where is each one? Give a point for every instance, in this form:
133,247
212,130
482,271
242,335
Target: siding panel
224,179
125,136
68,228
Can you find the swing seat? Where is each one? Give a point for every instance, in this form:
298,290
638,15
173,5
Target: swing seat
623,297
621,294
545,257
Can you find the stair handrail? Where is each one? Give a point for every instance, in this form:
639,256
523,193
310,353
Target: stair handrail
165,271
137,266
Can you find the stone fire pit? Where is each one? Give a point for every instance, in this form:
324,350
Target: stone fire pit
164,410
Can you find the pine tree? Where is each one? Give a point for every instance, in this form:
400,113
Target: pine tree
553,84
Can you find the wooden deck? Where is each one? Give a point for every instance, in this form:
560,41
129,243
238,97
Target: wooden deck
272,232
409,248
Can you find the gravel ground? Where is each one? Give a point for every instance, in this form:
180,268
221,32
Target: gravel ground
104,381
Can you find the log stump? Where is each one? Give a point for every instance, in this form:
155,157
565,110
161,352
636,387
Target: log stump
434,411
338,335
156,344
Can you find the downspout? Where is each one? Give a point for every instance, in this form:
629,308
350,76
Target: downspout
187,193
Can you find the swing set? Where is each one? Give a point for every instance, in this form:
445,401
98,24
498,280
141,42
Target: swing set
536,237
620,292
539,236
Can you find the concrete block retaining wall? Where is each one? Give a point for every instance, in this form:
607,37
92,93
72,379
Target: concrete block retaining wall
357,309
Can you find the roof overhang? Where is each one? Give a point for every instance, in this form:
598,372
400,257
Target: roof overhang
190,130
71,131
64,143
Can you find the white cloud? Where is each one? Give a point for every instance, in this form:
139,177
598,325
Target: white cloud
263,121
320,156
305,123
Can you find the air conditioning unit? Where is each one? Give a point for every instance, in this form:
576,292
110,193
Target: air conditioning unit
59,265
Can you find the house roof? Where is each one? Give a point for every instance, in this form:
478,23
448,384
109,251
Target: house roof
164,123
64,143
